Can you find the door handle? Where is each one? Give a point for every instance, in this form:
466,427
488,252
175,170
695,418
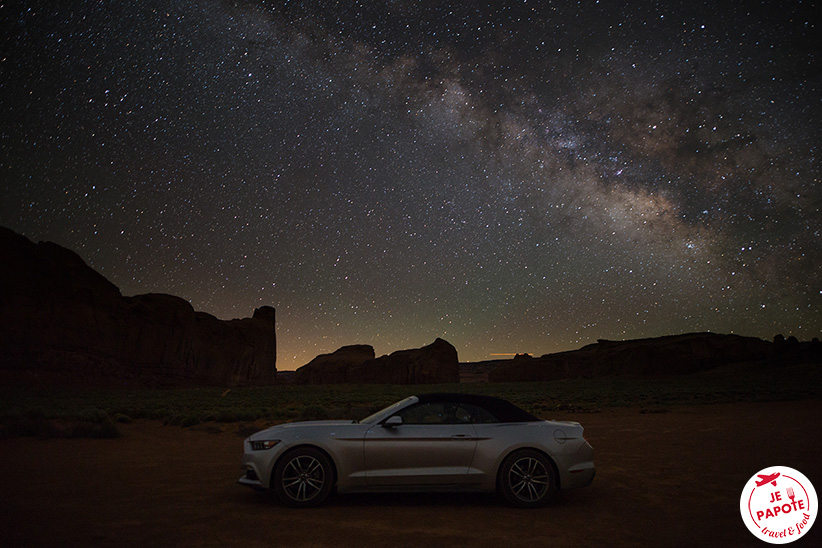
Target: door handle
462,437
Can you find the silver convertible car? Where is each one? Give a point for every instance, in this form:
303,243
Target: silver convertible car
433,442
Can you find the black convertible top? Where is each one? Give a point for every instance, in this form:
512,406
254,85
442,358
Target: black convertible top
503,410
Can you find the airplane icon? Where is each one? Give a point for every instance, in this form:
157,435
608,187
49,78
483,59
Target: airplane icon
765,478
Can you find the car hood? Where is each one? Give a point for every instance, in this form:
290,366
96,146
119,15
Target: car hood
285,427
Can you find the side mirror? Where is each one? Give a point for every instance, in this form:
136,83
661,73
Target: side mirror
393,421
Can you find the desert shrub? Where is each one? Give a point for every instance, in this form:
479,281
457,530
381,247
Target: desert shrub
236,414
248,415
90,423
31,422
313,413
103,429
190,420
121,418
226,415
92,415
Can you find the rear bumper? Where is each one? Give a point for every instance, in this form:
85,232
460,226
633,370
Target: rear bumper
580,475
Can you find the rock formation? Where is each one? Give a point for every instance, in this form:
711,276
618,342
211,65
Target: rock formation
436,363
672,355
61,320
334,368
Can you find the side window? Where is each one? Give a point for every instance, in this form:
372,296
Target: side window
446,413
425,413
479,415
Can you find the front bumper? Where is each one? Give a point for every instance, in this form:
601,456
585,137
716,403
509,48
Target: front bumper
250,479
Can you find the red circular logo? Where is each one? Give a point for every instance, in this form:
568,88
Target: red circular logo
778,504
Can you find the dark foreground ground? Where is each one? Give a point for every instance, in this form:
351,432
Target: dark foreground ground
664,479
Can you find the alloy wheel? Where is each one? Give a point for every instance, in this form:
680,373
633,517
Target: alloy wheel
529,479
303,478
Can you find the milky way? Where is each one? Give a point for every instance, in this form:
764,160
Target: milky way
512,177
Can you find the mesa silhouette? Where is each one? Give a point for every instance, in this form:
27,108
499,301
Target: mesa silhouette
61,322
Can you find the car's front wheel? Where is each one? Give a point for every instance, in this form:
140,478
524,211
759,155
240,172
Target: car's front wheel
527,479
303,477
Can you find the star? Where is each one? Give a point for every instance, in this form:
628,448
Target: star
521,178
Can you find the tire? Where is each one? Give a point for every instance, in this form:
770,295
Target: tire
527,479
303,478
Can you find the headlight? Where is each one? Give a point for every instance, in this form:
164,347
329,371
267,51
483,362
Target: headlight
262,445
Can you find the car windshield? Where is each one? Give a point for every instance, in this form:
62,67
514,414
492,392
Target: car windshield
386,411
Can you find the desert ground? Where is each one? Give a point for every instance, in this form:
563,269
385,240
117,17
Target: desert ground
663,479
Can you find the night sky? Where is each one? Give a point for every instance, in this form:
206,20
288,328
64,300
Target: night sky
511,177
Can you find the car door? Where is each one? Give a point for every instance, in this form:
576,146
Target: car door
434,445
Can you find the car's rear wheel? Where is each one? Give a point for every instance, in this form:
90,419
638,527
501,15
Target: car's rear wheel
303,477
527,479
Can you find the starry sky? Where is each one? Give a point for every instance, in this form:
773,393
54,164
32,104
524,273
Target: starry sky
509,176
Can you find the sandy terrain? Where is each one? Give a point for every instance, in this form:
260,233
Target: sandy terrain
668,479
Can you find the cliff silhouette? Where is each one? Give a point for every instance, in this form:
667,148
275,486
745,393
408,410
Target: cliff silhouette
669,355
61,322
356,364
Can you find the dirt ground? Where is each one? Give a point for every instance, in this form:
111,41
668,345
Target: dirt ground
666,479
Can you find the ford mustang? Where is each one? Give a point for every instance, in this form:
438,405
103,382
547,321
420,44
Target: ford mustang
431,442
